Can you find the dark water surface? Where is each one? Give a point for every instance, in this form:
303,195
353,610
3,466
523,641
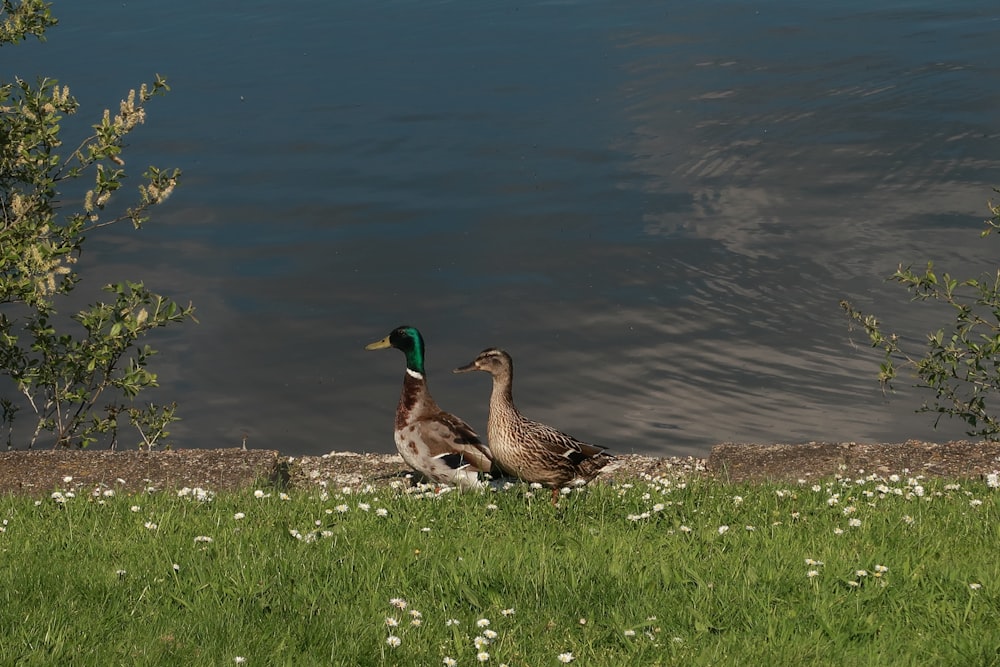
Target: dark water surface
654,206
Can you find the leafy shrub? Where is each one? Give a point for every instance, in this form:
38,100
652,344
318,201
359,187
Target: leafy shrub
961,362
64,368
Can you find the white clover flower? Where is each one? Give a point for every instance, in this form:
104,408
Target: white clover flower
483,656
483,623
204,538
393,641
239,515
838,531
398,603
812,573
451,621
259,494
975,502
861,573
449,662
658,507
918,490
684,529
239,660
854,523
150,525
975,586
993,480
177,568
391,622
135,508
723,530
737,500
507,612
880,569
67,479
381,511
108,493
490,634
566,657
629,633
481,642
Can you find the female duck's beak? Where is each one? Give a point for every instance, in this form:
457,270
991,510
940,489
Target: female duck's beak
379,344
466,368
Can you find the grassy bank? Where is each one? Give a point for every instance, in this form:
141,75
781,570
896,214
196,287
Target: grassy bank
851,571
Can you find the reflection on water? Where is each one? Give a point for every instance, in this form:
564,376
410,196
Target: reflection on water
655,209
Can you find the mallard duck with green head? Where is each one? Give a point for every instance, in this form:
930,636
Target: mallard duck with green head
435,443
526,449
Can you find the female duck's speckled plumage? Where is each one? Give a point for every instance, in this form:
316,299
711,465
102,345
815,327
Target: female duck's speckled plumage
526,449
433,442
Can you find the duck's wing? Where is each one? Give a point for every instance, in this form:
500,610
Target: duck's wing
453,441
561,444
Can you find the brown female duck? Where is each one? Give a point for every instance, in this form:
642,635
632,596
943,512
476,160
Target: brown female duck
526,449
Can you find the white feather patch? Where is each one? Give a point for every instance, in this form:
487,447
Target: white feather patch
413,373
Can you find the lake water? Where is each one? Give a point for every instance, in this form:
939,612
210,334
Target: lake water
655,207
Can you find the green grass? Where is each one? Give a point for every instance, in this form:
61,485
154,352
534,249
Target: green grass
627,575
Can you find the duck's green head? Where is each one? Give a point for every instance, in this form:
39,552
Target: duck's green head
409,341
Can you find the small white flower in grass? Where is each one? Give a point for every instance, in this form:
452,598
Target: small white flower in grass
204,538
260,494
108,493
566,657
737,500
135,508
451,621
909,520
364,507
381,511
150,525
417,622
993,480
975,502
239,515
177,568
341,508
583,621
658,507
750,529
838,531
723,530
918,490
850,509
294,533
239,660
814,563
393,641
975,586
812,573
483,656
391,622
449,662
853,584
120,573
425,530
880,570
684,529
861,573
483,623
67,479
398,603
854,523
816,488
833,500
490,634
629,633
535,486
284,496
795,516
416,614
491,507
507,612
481,642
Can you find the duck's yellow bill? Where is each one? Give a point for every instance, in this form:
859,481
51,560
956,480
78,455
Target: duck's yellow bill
379,344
